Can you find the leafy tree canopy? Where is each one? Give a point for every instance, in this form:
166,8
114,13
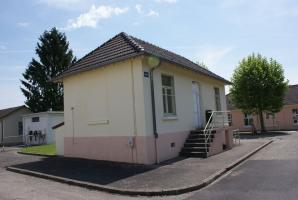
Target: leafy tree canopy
54,56
202,64
258,85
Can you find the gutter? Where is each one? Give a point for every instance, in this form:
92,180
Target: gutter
2,132
153,110
153,103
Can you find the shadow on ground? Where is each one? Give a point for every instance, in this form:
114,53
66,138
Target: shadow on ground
269,134
99,172
93,171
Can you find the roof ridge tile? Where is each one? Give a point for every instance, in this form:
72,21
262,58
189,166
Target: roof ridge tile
132,42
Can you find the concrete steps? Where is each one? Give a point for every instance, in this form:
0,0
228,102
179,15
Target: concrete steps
196,145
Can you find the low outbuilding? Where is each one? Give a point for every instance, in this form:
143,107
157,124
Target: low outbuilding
38,127
11,126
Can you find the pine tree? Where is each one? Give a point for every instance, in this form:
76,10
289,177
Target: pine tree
54,57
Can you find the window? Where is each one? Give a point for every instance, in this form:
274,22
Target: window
295,116
168,95
270,114
20,127
267,115
35,119
230,119
248,119
217,99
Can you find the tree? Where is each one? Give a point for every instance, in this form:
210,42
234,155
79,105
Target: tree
54,57
202,64
258,85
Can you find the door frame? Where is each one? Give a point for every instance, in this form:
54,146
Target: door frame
197,120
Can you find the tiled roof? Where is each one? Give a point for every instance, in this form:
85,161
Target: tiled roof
290,98
291,95
8,111
122,47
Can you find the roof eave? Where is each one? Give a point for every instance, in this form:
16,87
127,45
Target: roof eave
69,72
188,68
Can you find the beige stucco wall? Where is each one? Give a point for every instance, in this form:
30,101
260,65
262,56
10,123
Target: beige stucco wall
10,126
283,120
107,107
59,140
183,96
102,101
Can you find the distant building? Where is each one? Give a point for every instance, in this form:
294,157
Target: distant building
286,119
11,126
38,127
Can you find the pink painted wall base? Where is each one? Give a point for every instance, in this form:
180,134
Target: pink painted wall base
144,151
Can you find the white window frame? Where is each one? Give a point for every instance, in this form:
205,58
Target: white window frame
217,99
295,116
247,119
165,97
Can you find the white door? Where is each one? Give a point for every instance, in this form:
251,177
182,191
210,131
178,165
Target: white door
196,104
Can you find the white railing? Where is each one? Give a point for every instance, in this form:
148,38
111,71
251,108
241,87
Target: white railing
217,119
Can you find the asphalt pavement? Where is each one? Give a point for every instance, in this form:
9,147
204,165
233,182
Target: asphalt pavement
271,174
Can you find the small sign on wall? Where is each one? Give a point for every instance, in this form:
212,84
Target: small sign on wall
146,74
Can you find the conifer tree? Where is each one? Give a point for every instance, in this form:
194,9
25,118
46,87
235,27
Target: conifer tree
54,56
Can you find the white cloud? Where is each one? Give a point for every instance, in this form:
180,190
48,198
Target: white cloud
166,1
23,24
211,56
153,13
93,16
139,8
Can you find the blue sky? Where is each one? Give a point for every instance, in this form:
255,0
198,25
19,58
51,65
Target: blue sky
217,32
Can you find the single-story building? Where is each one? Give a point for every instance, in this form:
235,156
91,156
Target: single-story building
37,127
131,101
11,126
286,119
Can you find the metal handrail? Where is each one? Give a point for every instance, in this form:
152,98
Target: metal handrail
210,126
236,136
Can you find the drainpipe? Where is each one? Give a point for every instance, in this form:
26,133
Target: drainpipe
73,123
133,145
153,111
2,132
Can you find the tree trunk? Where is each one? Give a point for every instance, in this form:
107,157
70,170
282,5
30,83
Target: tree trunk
263,128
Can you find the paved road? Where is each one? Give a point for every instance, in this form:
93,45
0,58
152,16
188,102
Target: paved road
14,186
271,174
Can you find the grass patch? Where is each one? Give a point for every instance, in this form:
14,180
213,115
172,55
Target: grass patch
48,149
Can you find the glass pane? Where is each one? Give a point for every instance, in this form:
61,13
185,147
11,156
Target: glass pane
169,91
170,103
173,105
216,90
164,104
167,80
163,91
